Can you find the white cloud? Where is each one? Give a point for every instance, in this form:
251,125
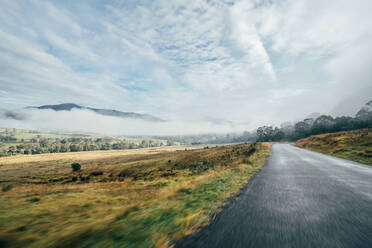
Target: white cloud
284,93
247,61
248,39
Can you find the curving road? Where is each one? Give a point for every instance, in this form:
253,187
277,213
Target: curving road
299,199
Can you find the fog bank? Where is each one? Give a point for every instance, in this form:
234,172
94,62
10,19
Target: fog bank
86,121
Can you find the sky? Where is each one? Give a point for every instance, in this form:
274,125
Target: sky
231,65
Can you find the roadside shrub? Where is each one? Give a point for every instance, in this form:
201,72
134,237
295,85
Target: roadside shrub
84,179
249,152
75,166
35,199
168,174
184,191
6,188
127,173
247,161
96,173
161,184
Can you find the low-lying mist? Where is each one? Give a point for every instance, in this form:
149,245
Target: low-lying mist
86,121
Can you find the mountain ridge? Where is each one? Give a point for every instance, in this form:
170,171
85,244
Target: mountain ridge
105,112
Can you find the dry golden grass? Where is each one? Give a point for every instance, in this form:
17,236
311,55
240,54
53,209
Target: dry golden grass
164,197
90,155
353,145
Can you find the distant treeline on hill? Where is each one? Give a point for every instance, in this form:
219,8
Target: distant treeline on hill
287,132
313,126
11,142
211,138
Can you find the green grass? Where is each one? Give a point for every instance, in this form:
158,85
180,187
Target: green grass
354,145
143,201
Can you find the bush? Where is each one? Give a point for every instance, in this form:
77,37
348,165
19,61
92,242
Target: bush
127,173
185,191
6,188
35,199
96,173
75,166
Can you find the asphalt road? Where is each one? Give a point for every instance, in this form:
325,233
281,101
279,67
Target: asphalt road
299,199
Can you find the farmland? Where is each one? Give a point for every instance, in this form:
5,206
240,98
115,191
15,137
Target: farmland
141,198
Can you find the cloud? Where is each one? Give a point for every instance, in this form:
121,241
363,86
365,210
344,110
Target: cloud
252,61
249,41
283,93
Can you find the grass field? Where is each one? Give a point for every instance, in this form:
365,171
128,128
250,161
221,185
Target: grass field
89,155
122,200
353,145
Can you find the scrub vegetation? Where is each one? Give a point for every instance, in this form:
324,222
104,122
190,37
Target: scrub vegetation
353,145
138,200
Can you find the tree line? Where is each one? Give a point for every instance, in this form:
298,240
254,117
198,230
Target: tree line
13,146
314,126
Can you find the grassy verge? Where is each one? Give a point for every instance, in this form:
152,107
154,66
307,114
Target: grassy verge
144,201
353,145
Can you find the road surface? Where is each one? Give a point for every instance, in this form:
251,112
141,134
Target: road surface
299,199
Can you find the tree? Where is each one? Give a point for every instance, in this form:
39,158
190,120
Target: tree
343,123
302,129
74,148
323,124
265,133
277,135
75,166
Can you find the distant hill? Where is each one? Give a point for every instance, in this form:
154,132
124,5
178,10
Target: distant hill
106,112
60,107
